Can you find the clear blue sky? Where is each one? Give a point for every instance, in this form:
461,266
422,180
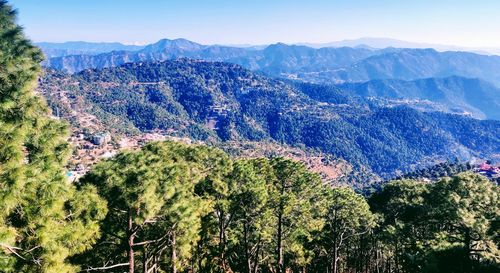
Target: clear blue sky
459,22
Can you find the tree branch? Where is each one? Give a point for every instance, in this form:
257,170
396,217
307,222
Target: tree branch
12,249
104,267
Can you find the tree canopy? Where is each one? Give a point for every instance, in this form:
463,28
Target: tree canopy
153,207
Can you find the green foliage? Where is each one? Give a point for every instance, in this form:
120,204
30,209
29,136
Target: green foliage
347,219
263,218
297,202
430,227
401,208
466,207
241,221
253,228
43,219
438,171
153,208
175,207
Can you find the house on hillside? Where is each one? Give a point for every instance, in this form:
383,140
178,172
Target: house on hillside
100,139
488,170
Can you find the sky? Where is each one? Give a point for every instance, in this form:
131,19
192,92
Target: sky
471,23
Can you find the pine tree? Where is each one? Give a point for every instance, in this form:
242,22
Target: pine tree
297,200
348,217
43,219
264,215
154,214
447,226
212,248
253,225
403,223
464,210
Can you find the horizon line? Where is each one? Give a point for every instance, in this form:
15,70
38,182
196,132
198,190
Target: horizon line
411,44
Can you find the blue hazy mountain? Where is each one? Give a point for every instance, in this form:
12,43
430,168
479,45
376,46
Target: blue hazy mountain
412,64
83,48
323,65
380,43
276,59
281,58
176,46
451,94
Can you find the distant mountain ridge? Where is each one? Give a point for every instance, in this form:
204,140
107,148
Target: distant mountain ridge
364,42
323,65
52,50
380,43
413,64
455,94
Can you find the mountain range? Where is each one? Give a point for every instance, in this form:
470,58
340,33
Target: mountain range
455,82
379,43
323,65
385,111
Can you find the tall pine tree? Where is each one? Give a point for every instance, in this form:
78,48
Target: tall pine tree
43,219
154,214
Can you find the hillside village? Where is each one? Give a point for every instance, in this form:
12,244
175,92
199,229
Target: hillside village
91,148
93,138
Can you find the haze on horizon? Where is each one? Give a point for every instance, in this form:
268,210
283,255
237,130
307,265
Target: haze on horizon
467,23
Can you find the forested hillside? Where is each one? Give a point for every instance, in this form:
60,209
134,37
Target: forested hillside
219,102
454,82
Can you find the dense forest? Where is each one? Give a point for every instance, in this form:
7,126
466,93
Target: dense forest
172,207
178,208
